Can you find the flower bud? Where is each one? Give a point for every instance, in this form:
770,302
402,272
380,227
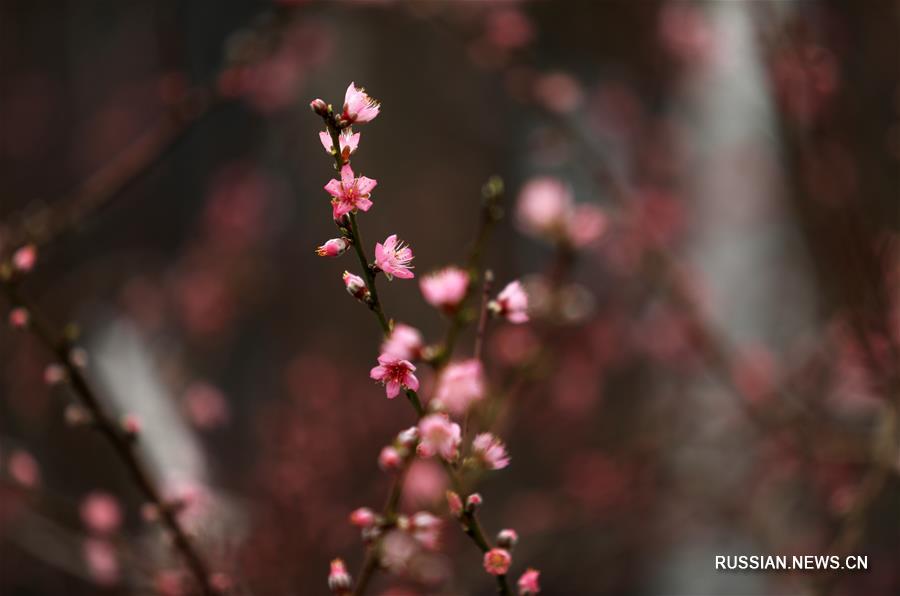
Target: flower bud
356,287
338,579
78,357
528,582
389,459
76,416
333,248
362,517
408,437
454,503
319,107
131,425
473,502
54,374
507,538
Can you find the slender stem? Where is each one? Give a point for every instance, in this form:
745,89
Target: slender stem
121,442
483,317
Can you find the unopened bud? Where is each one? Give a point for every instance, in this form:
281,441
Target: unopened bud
454,503
473,502
356,286
362,517
389,459
319,107
339,580
18,318
507,538
23,260
54,374
131,425
333,248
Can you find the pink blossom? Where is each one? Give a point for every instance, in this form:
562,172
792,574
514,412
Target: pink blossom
358,106
54,374
333,248
393,257
426,482
338,579
393,373
497,561
528,582
446,288
18,318
512,303
101,512
362,517
543,206
356,286
389,458
426,529
473,502
348,140
349,193
439,436
404,342
490,451
459,386
131,424
25,258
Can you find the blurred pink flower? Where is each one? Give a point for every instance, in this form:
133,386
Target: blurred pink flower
586,225
528,582
543,206
389,459
497,561
101,560
358,106
349,193
333,248
558,92
348,140
459,386
393,257
439,436
404,342
25,258
23,468
446,288
490,451
454,503
509,28
426,529
18,318
101,512
512,303
425,483
206,406
393,373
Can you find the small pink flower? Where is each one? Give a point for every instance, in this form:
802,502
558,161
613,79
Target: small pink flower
426,529
206,406
438,435
497,561
454,503
473,502
348,140
333,248
511,303
507,538
339,580
349,193
18,318
528,582
23,468
101,513
393,257
491,451
459,386
362,517
394,373
446,288
356,286
404,342
358,106
389,459
24,259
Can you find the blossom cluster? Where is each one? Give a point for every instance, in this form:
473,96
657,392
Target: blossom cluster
393,537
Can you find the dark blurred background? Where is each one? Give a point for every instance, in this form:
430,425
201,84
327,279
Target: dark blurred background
720,376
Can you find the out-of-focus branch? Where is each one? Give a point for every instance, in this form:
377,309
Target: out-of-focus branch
121,440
